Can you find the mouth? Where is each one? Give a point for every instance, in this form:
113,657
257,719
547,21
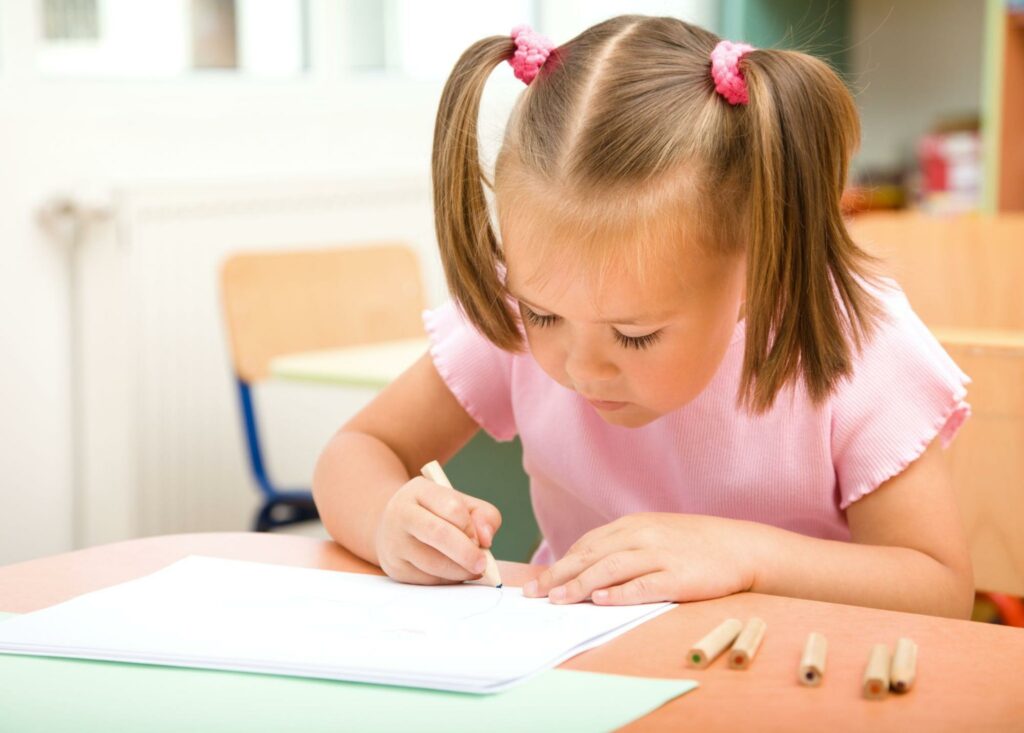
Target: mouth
606,405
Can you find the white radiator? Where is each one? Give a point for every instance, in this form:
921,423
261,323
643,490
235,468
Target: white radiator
160,447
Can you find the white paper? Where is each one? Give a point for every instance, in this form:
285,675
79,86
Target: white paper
255,617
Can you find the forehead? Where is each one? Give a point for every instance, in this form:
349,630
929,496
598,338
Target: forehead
630,272
631,249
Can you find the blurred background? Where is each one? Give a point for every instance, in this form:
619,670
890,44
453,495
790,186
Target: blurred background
144,142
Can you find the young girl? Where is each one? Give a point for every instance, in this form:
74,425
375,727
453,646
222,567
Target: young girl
713,392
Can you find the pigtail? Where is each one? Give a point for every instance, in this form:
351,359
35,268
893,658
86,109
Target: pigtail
807,307
469,249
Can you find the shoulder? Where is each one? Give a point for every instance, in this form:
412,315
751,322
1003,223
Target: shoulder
900,351
476,371
452,335
904,392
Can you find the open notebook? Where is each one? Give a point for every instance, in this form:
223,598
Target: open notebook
254,617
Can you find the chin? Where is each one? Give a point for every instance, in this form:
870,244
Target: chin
629,417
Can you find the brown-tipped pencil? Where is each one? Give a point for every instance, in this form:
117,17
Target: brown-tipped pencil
812,664
904,665
491,577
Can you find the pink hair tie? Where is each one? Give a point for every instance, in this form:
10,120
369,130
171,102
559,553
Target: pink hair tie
532,50
725,70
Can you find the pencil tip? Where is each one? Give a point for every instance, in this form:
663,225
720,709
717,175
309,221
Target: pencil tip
500,585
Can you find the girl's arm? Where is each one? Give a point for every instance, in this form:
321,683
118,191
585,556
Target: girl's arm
414,420
908,553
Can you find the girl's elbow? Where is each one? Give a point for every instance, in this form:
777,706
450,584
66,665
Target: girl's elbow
324,470
961,600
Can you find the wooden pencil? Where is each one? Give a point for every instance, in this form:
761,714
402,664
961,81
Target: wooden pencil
876,675
904,665
747,643
717,641
491,577
812,664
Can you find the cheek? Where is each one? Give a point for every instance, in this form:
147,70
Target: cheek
547,351
681,370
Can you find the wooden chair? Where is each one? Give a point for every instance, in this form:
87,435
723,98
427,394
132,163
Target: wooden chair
963,276
287,302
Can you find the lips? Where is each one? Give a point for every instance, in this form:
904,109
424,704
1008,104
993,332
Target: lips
606,405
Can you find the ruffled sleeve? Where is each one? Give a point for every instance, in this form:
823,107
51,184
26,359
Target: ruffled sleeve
904,392
477,372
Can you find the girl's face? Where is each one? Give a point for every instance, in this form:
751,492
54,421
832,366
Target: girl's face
635,345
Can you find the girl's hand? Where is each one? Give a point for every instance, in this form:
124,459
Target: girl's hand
644,558
431,534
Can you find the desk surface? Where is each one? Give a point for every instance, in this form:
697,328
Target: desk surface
368,365
969,674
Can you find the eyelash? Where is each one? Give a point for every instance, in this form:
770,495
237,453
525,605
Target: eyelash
629,342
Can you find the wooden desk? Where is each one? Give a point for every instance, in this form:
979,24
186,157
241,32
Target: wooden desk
369,365
968,673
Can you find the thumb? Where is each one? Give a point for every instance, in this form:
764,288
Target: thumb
486,519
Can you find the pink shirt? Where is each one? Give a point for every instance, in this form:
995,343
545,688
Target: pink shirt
797,466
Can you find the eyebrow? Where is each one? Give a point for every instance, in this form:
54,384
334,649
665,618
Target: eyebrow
631,321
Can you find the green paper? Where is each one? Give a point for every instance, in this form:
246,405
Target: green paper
54,695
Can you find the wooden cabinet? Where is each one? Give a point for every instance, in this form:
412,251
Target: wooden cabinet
962,275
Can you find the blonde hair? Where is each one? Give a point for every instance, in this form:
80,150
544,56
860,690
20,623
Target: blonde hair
628,110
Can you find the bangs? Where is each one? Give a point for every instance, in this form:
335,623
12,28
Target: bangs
599,233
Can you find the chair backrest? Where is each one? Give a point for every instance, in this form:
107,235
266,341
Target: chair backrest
286,302
963,277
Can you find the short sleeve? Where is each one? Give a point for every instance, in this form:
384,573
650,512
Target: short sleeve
904,392
476,371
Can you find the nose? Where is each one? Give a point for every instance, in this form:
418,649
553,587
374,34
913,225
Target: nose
586,364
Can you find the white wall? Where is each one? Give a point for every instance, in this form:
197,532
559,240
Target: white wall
912,62
61,135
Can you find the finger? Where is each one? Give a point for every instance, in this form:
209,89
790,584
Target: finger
418,576
649,588
582,555
448,504
486,518
444,537
596,535
433,563
562,572
623,530
401,570
406,571
611,570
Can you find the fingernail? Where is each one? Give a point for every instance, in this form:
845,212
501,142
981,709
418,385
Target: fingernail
485,535
480,565
557,594
530,589
599,596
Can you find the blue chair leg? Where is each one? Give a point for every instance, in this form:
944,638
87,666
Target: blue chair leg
285,511
280,507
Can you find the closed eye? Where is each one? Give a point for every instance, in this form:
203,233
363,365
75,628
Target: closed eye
629,342
536,319
638,342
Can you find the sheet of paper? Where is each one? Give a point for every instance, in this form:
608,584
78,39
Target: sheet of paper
99,697
255,617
